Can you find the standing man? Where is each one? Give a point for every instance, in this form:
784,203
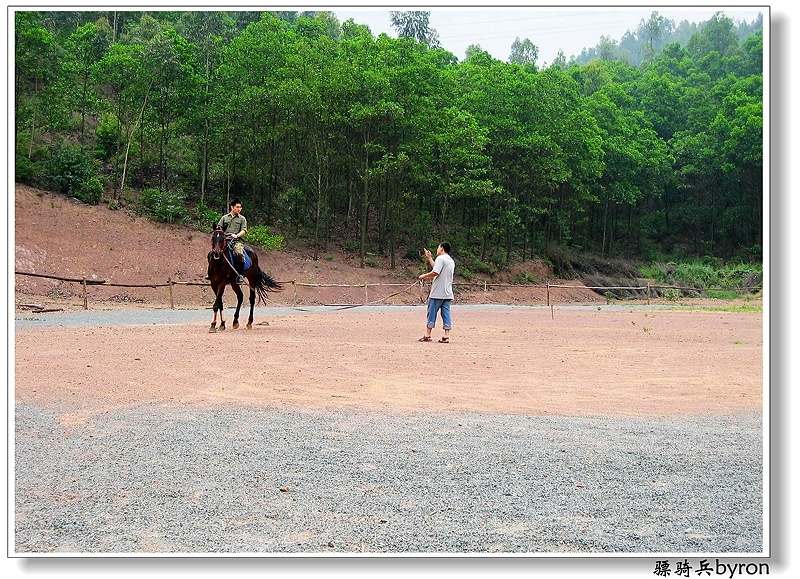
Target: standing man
234,225
441,295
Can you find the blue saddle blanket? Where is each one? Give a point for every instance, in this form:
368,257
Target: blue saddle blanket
247,260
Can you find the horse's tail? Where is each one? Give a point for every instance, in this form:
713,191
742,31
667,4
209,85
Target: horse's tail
263,283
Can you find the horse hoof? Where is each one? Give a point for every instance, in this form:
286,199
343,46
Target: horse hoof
212,330
249,326
235,325
222,328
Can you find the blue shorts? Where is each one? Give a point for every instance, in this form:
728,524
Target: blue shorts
434,305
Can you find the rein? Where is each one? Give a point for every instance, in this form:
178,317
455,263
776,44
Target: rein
376,302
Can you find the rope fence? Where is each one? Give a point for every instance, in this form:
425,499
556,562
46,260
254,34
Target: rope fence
484,285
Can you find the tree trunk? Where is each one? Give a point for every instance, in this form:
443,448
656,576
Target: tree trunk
130,138
319,202
365,201
605,224
83,104
33,115
204,168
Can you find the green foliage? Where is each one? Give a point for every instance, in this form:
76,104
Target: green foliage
722,294
526,278
260,235
24,170
107,133
708,272
165,206
649,145
90,191
68,169
672,294
205,218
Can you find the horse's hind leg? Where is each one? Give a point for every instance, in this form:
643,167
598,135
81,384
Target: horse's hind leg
239,298
252,303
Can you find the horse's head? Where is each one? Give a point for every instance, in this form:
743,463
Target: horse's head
218,242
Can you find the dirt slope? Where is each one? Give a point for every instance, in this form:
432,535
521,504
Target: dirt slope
57,235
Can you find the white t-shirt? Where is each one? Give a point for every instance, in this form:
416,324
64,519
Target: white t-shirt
442,286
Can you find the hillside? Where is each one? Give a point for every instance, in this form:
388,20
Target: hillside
57,235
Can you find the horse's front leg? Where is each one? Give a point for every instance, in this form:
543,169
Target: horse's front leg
217,307
239,297
221,309
252,303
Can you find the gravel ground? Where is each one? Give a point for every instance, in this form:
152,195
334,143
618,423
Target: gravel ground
149,316
269,480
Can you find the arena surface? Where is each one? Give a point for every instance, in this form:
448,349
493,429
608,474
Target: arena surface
602,430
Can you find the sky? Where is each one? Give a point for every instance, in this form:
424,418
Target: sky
551,29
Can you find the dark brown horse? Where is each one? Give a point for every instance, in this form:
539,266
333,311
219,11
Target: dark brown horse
221,273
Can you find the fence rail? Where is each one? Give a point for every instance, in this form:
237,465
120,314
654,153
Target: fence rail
365,286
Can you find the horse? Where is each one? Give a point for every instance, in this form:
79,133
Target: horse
221,273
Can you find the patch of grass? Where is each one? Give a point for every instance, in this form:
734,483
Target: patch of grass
722,294
730,308
705,272
736,308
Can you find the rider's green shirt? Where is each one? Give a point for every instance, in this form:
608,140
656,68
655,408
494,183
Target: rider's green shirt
231,224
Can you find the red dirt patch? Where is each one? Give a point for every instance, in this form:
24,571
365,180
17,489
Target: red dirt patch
518,361
56,235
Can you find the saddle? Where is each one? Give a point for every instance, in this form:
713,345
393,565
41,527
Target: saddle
248,261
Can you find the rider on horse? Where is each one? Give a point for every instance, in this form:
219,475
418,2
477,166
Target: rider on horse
234,225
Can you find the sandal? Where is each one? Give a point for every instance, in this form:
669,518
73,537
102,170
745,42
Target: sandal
444,340
424,339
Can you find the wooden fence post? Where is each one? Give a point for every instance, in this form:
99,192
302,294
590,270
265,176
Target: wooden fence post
171,299
294,293
548,294
366,294
85,301
485,287
648,293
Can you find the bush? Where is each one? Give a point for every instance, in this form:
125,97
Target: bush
69,170
24,170
166,206
205,218
484,267
260,235
107,133
708,272
526,277
672,294
466,273
90,191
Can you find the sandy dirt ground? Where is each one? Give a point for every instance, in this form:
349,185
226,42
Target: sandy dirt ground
513,361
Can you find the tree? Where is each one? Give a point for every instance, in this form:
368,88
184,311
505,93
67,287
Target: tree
524,52
415,24
36,65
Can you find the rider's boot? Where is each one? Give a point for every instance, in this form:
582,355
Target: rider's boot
239,267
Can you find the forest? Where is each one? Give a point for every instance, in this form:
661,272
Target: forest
333,136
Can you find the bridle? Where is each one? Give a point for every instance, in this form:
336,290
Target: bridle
216,254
